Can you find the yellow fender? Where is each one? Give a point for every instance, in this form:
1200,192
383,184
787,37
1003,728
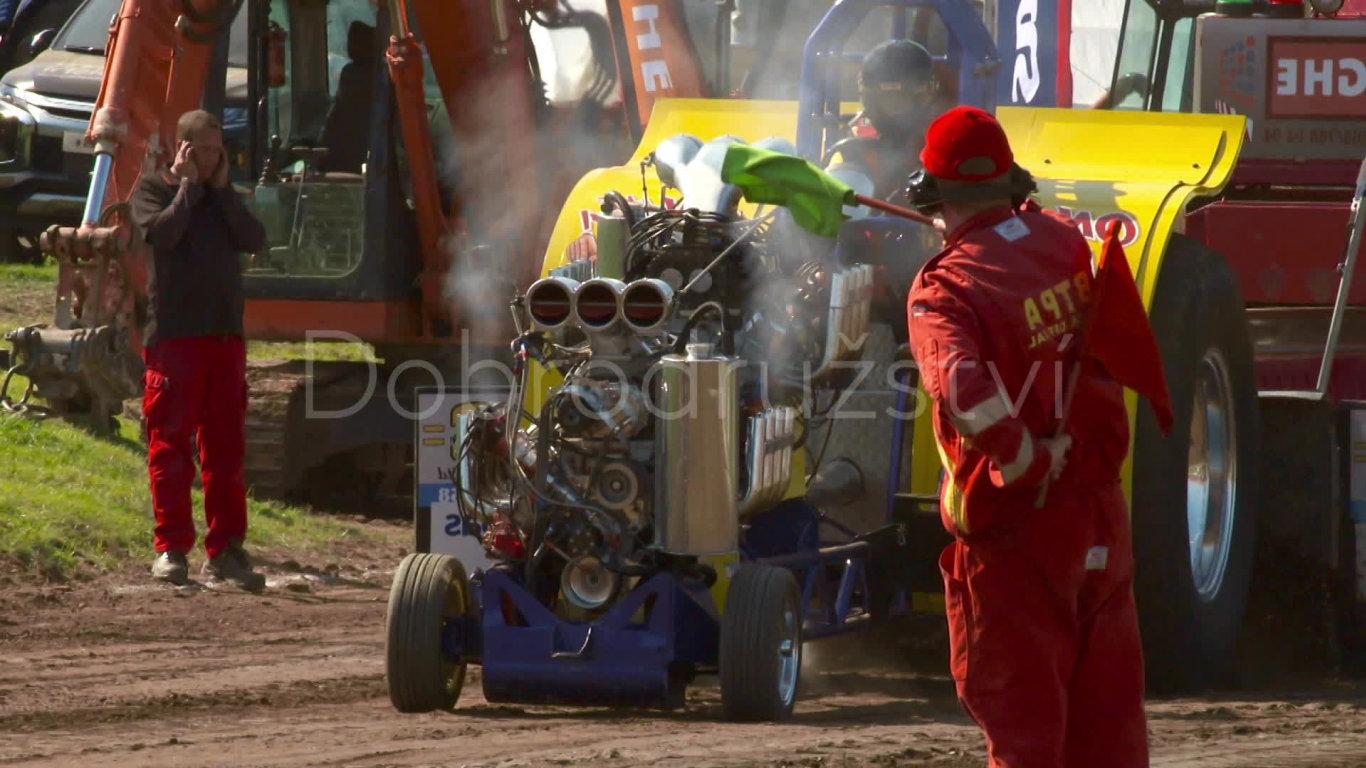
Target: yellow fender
707,119
1098,165
1140,167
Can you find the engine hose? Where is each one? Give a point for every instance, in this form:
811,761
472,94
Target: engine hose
615,198
538,523
683,336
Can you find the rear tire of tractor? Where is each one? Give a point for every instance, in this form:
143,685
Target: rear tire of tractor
428,591
761,645
1192,600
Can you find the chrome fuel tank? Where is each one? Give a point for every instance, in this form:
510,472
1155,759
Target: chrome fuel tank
697,453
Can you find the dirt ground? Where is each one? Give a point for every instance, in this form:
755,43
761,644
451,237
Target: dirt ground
123,672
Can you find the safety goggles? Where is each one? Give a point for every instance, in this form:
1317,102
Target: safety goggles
897,99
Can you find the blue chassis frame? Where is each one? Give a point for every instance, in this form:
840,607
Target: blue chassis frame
643,651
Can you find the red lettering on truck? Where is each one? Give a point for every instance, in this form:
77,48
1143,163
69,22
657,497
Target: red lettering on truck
1316,78
1094,227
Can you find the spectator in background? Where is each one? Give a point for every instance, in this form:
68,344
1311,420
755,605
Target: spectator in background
195,353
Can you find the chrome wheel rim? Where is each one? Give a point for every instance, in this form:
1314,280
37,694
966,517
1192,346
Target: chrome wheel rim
789,657
1211,478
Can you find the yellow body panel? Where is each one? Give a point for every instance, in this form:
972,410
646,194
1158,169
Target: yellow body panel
1146,164
706,119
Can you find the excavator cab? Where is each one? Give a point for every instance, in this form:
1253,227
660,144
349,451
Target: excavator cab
310,193
328,182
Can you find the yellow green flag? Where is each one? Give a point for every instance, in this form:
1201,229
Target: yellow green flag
815,198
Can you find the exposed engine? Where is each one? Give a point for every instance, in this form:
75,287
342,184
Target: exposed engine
663,409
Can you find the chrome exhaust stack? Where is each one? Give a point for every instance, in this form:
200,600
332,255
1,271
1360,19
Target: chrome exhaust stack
846,327
597,304
768,457
600,306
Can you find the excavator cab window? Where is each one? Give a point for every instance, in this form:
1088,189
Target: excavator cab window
317,117
1156,49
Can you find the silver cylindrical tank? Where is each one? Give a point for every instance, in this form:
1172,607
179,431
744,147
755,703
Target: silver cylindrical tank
697,454
612,238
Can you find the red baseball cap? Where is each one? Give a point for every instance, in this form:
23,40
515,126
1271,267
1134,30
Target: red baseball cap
966,144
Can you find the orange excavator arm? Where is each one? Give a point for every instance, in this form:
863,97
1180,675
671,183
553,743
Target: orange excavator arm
509,179
159,55
89,360
505,191
407,71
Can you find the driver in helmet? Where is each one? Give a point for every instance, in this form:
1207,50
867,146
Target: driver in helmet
901,94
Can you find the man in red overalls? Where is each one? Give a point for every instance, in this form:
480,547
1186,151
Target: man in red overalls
1044,634
198,227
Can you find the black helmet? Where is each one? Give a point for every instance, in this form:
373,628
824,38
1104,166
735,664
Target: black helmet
896,86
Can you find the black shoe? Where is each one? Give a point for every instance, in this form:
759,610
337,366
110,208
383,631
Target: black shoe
172,567
234,567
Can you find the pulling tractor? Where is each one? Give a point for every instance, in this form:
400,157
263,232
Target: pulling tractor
633,509
633,502
580,566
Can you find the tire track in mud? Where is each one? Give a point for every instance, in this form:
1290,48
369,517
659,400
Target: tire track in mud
109,677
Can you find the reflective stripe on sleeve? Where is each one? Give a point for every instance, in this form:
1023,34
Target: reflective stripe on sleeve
1023,458
981,417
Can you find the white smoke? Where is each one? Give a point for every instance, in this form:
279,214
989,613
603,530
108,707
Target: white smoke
510,191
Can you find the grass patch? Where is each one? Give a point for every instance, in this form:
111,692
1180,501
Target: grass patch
70,502
27,294
321,351
11,274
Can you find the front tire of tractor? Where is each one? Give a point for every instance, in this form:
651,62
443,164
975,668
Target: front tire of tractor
1194,491
761,645
429,591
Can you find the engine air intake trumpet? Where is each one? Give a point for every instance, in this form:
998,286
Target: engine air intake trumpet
550,302
645,305
597,304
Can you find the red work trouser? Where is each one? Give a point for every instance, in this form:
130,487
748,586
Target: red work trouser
196,391
1044,637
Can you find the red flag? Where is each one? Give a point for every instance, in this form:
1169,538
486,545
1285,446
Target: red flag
1118,334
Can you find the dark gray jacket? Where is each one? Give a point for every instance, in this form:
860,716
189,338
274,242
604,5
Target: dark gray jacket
198,236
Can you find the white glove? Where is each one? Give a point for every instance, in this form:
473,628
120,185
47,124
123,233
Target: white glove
1057,447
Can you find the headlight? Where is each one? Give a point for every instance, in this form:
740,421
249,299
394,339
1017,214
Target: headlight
16,131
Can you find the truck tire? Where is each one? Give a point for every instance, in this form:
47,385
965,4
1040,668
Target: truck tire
1194,491
428,590
761,645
